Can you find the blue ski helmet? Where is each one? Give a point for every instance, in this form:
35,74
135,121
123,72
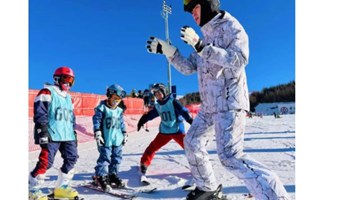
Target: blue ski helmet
115,89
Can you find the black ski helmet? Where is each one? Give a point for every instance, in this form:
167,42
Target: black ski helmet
209,9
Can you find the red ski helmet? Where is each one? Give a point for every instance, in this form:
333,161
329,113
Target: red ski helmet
64,74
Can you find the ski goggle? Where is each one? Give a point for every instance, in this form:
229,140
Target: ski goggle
115,99
119,93
67,79
189,5
186,2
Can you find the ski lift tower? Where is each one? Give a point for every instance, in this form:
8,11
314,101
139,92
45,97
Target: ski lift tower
166,10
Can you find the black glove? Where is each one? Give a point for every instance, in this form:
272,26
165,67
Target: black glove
75,133
139,125
41,134
142,121
190,121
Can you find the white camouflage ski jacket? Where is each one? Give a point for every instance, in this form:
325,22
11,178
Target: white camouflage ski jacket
220,65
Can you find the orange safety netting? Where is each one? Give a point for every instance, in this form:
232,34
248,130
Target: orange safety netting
85,103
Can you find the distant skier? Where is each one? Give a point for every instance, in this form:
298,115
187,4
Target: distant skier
139,94
146,98
110,134
219,58
54,131
133,93
171,126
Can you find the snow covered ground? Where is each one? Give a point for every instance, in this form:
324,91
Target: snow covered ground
269,140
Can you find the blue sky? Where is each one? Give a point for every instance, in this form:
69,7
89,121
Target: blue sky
104,42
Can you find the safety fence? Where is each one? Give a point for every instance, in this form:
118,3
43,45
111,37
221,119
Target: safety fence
85,103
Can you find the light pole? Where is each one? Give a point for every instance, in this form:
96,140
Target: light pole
166,10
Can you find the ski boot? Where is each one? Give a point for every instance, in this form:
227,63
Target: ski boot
62,189
37,195
65,191
102,182
198,194
115,181
143,169
35,184
143,178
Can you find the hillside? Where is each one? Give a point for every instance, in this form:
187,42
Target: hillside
280,93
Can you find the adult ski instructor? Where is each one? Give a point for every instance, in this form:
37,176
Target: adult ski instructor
219,58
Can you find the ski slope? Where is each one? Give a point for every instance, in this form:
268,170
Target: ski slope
269,140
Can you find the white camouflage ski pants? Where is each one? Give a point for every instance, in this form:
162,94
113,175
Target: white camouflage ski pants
229,130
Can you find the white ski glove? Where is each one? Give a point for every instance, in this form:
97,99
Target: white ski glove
155,45
189,36
99,138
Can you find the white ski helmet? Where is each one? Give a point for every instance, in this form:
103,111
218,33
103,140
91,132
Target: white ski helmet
159,87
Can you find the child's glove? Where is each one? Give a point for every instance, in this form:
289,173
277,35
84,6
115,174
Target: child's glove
139,125
99,138
125,139
142,121
42,133
75,134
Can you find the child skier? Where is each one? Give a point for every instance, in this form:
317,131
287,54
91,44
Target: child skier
171,126
54,131
110,135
